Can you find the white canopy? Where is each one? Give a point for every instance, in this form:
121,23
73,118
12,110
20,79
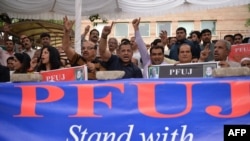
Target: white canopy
110,9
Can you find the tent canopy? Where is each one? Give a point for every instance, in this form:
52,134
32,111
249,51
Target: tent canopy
110,9
34,29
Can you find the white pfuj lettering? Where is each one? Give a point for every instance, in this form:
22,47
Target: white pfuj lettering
164,136
79,134
242,49
55,77
237,132
180,71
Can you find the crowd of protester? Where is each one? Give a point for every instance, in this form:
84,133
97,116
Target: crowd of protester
103,53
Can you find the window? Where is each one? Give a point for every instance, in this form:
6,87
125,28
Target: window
144,29
121,29
188,25
209,25
163,26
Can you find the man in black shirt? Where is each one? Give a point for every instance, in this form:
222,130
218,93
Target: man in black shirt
121,62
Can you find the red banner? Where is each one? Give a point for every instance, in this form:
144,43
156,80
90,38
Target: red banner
66,74
238,52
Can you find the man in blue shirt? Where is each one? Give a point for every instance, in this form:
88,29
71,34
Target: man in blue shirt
181,34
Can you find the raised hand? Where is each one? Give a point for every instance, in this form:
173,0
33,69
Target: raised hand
67,23
106,31
164,37
204,53
136,23
86,30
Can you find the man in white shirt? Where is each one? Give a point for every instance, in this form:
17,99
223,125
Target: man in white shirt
28,47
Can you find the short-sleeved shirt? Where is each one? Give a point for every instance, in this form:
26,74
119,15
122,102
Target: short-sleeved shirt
131,70
78,60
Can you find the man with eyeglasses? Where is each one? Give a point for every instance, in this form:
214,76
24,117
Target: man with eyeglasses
123,61
88,50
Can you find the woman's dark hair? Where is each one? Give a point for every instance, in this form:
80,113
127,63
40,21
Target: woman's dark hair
24,59
54,59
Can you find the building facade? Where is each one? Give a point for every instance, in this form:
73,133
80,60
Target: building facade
221,21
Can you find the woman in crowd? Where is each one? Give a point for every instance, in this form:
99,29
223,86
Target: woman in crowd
21,62
50,59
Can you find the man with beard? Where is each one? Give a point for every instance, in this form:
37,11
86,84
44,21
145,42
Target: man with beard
238,38
206,36
88,50
5,54
181,34
123,60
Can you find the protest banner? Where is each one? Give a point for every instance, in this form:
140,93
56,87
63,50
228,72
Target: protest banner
190,109
204,69
238,52
66,74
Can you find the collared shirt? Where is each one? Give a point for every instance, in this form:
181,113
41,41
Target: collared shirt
137,56
146,60
78,60
115,63
4,55
30,52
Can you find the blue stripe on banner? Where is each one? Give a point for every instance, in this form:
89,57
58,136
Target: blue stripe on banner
124,110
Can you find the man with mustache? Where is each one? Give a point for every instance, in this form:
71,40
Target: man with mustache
88,50
221,51
93,37
28,46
